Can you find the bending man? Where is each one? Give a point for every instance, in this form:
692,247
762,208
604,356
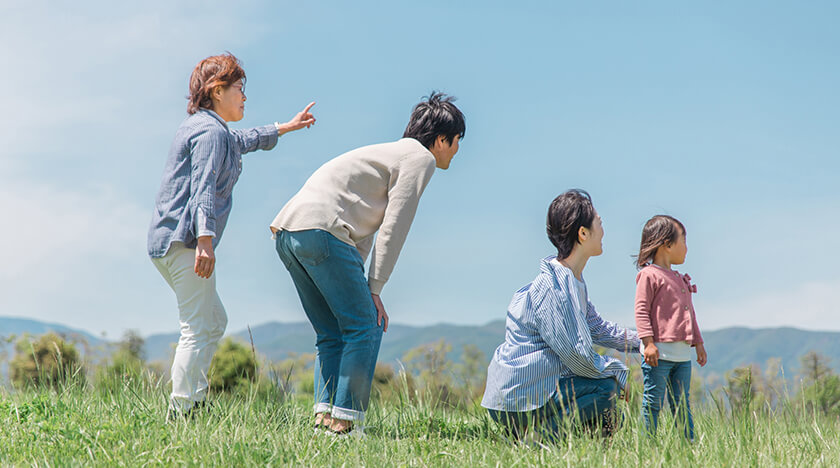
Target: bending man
325,232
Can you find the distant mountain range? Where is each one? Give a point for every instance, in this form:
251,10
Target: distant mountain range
16,326
727,348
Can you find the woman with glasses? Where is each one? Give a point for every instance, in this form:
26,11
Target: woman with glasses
192,208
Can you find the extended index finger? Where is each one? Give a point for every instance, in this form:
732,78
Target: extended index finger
309,106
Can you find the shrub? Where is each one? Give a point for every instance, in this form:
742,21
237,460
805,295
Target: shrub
384,386
740,389
233,365
47,361
821,387
126,365
434,370
293,375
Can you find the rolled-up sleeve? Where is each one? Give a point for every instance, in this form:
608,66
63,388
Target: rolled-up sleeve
257,138
206,151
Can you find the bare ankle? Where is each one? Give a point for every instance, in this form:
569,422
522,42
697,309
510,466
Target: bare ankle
340,424
323,419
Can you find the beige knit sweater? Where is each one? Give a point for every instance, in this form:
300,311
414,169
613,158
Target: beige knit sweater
372,188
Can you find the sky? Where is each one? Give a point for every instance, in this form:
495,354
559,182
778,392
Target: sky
722,114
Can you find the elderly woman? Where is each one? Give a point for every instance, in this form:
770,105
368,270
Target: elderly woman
325,232
547,369
192,208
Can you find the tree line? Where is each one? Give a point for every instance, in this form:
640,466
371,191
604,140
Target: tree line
424,373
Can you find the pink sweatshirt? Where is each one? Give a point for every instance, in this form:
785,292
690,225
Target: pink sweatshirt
663,306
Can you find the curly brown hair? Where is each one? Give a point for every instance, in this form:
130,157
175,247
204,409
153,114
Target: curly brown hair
658,231
210,73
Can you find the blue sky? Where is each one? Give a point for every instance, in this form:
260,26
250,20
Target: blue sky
722,114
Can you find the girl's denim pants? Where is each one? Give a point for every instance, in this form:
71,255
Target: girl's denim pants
673,379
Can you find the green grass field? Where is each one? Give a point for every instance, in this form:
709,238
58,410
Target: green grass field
127,426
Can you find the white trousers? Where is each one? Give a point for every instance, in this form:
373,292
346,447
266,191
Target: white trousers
203,322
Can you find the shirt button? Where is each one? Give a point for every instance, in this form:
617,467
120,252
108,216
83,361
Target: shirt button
686,307
683,290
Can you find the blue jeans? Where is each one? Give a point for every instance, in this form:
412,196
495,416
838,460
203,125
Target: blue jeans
330,279
590,400
671,378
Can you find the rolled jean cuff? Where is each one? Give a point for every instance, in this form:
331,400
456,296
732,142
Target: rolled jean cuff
347,414
322,408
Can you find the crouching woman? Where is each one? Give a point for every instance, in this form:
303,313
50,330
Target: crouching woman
547,370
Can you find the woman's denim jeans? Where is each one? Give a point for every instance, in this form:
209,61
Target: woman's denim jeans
590,400
674,379
330,280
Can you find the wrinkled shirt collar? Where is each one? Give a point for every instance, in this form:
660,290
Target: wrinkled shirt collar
556,269
214,115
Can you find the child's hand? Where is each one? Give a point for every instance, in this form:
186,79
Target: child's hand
652,354
701,355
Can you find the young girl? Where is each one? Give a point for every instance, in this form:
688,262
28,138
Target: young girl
666,322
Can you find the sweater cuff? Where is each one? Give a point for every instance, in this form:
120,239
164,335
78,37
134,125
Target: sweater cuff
375,286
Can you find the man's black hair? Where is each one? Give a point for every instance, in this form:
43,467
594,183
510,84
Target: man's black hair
435,115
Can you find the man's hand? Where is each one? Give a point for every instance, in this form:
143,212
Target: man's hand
651,352
380,311
300,120
205,260
701,354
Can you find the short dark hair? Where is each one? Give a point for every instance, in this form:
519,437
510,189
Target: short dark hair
435,115
568,213
658,231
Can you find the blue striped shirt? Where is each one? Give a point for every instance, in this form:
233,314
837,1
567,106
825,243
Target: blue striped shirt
550,331
196,191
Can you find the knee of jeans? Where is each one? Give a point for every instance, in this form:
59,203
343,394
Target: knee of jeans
370,334
610,388
328,341
652,401
375,333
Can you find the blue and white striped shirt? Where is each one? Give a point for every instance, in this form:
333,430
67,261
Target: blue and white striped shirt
196,190
548,336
